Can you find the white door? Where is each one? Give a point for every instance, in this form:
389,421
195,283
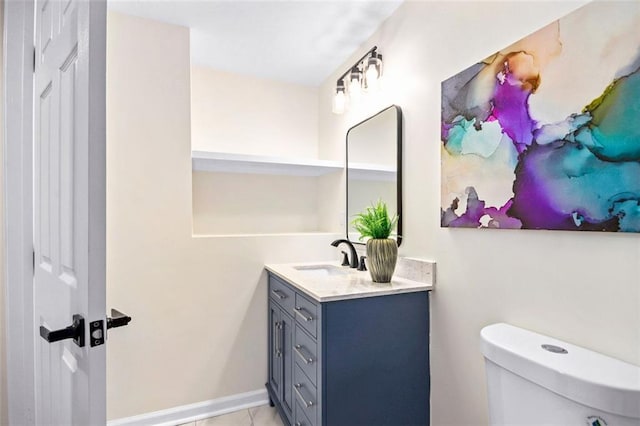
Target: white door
69,210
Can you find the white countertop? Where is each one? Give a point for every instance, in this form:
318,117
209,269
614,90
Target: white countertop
353,284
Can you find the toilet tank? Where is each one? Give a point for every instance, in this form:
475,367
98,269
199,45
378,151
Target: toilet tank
537,380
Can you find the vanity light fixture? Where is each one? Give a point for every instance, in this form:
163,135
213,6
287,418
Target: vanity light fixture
363,76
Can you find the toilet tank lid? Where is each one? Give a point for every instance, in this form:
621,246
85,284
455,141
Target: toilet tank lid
584,376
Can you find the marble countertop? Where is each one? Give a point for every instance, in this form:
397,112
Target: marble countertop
353,284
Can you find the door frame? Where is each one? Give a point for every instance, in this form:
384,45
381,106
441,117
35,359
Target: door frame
18,40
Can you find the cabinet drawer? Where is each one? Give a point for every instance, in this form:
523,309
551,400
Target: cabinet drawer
282,294
301,418
305,353
306,313
305,394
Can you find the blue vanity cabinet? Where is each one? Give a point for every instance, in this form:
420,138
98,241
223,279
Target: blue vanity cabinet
357,361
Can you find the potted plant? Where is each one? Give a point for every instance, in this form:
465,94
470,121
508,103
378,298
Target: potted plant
376,224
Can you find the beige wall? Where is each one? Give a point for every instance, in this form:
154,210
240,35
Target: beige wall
580,287
199,305
3,359
232,203
247,115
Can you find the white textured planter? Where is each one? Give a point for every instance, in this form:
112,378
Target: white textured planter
382,255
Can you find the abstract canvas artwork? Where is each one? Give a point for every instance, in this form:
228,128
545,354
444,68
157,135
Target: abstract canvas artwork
545,134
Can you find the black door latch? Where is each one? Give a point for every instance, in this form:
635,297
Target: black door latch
117,319
96,328
75,331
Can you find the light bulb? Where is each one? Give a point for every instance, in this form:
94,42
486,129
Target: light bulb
339,99
339,102
373,72
355,83
355,90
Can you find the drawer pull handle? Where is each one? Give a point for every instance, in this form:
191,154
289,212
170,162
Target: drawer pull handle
306,403
298,349
278,327
279,294
306,316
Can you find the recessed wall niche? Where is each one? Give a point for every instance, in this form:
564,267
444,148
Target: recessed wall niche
255,164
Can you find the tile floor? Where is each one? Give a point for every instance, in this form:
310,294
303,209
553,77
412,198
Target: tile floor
257,416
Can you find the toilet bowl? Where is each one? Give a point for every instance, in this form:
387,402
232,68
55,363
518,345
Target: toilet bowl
537,380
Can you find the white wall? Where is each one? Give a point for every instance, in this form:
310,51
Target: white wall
580,287
199,305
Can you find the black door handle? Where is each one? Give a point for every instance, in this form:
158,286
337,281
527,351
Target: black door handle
75,331
117,319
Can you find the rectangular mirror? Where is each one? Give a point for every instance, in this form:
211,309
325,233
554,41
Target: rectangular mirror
374,167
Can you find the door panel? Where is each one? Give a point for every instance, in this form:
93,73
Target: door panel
67,189
69,207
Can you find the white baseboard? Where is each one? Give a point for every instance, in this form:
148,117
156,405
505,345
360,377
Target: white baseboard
197,411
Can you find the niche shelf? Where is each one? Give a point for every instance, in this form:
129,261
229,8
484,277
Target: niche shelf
207,161
370,171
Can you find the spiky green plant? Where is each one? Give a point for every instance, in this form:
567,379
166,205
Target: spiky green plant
375,222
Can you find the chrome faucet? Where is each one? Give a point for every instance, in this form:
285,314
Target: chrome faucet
352,249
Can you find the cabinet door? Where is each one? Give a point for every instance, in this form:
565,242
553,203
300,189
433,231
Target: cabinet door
275,349
287,364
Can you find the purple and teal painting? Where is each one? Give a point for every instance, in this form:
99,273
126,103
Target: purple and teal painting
545,134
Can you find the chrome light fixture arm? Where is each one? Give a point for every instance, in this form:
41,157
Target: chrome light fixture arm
362,75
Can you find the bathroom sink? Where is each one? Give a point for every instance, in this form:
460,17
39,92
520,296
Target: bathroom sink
321,270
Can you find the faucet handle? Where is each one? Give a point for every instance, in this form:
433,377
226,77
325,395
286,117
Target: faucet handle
345,258
362,266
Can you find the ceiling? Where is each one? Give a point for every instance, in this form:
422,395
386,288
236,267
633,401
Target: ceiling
293,41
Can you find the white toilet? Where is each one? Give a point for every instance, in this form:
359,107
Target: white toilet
538,380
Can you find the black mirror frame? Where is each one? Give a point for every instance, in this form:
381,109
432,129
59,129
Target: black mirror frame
399,138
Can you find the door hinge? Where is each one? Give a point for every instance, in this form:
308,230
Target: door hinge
34,59
33,261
